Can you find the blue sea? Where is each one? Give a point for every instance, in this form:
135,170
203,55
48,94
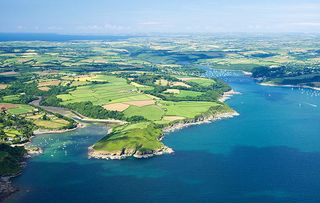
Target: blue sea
270,153
56,37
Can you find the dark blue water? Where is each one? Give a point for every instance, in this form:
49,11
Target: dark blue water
270,153
56,37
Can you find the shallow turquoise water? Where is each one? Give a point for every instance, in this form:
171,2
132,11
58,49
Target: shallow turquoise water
270,153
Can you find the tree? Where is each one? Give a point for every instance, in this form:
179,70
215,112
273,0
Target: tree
45,117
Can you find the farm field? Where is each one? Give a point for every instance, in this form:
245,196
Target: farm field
200,81
187,93
140,98
53,123
85,84
3,86
186,109
11,98
114,91
24,119
150,112
156,80
21,109
17,109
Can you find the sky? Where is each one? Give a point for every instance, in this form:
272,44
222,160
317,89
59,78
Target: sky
159,16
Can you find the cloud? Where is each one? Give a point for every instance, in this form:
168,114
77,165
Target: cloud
53,28
103,28
150,23
307,24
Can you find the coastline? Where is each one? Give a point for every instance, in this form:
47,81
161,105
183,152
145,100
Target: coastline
247,73
174,127
292,86
127,154
205,120
164,149
6,187
227,95
47,131
31,151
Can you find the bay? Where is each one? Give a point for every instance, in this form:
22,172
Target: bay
270,153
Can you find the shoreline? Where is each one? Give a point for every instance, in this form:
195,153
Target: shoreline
47,131
209,119
7,188
247,73
174,127
293,86
163,150
37,150
227,95
123,155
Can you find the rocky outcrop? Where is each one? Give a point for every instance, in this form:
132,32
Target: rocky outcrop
125,153
200,120
228,95
147,154
33,151
6,188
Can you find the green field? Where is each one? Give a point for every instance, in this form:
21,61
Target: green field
187,93
12,133
186,109
51,121
21,109
51,124
116,90
151,112
11,98
203,81
114,80
142,136
137,137
141,87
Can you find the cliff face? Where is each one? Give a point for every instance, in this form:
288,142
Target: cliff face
11,164
125,153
